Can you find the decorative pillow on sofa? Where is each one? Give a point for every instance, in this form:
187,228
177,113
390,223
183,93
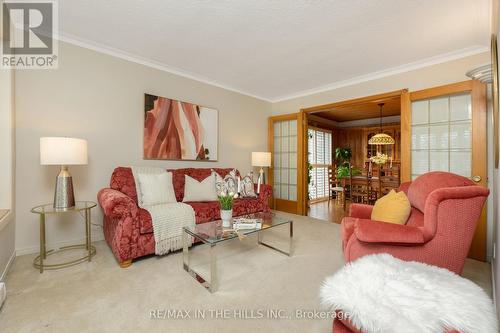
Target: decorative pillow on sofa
156,188
228,184
199,191
392,208
247,189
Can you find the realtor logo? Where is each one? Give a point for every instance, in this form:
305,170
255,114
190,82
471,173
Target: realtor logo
28,34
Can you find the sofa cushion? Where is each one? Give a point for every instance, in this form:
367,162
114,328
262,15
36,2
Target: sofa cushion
423,185
155,189
206,212
196,173
203,190
122,179
393,207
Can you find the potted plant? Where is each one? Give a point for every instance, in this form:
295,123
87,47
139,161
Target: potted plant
226,208
343,156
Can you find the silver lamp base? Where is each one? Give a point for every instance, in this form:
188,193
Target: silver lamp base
63,196
262,176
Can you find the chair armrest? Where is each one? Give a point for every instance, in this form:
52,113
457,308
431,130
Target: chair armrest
403,187
360,211
116,204
381,232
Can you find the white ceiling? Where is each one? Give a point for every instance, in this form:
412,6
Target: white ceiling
275,49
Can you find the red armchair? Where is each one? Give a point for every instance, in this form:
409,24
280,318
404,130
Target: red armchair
439,231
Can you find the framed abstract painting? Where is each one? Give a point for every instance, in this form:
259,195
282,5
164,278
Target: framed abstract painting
175,130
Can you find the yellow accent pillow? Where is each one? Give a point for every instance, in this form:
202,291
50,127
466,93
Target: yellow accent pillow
392,208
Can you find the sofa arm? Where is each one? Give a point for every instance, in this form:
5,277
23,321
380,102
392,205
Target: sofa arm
266,191
381,232
360,211
116,205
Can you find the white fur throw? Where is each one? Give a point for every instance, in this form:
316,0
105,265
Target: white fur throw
168,218
380,293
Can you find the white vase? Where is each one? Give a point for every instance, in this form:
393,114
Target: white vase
226,216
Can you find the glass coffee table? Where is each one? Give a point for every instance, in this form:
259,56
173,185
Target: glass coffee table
212,233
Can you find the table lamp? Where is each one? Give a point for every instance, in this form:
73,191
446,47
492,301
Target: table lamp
63,151
262,160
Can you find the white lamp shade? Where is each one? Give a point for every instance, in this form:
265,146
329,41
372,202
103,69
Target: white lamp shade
261,159
63,151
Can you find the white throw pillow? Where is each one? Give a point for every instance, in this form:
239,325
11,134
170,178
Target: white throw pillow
156,188
199,191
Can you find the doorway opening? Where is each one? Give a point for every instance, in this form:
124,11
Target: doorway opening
340,155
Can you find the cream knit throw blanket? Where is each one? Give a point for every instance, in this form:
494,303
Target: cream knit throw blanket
168,218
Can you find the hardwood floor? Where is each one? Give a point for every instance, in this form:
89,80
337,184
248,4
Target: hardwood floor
332,213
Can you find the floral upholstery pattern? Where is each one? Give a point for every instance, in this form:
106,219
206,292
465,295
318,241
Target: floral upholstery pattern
128,229
122,179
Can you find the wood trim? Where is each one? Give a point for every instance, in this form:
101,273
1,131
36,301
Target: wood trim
326,107
296,207
449,89
286,206
479,164
405,137
302,163
270,146
288,116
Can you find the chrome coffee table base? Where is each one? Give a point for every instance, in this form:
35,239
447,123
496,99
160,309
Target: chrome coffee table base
212,284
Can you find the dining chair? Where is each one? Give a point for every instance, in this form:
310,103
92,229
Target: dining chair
336,190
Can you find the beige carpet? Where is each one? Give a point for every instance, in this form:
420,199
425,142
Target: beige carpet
101,297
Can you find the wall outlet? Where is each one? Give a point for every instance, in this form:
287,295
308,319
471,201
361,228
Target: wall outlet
3,293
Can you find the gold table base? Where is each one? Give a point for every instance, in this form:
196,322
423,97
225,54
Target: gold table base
92,252
48,209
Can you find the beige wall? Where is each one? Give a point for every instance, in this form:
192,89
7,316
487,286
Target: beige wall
101,98
7,224
436,75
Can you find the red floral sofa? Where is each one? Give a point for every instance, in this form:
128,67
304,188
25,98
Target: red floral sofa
128,229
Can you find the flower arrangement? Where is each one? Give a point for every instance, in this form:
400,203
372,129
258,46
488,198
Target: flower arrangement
379,159
226,201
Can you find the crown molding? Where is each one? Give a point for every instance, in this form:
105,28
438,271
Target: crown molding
149,63
442,58
335,85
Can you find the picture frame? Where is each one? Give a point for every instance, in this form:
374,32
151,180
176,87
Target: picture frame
179,130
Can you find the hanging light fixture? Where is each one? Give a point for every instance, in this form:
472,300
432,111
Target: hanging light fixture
381,138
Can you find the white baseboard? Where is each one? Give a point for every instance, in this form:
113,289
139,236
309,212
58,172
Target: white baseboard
56,245
7,267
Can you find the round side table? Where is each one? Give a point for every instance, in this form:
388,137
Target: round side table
48,209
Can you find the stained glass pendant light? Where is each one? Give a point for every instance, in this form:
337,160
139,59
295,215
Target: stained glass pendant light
381,138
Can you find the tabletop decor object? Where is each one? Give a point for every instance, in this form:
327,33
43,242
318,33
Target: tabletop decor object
226,208
379,159
48,209
63,151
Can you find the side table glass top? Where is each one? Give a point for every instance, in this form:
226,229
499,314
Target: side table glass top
49,208
212,232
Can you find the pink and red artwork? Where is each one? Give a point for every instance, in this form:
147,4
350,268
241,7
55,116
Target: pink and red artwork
175,130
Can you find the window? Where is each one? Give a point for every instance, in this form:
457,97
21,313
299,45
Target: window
442,135
285,160
320,158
